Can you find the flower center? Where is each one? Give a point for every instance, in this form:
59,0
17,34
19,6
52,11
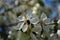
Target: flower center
28,22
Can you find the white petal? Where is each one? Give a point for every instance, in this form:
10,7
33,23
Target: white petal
52,34
20,26
51,26
46,29
21,18
37,28
43,16
34,12
16,2
9,36
32,2
58,21
10,32
24,29
58,33
34,16
29,13
47,21
34,20
37,5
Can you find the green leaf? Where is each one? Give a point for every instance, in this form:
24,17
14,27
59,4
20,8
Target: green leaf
41,2
24,36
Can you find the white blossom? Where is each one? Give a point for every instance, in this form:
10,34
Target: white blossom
31,17
58,33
